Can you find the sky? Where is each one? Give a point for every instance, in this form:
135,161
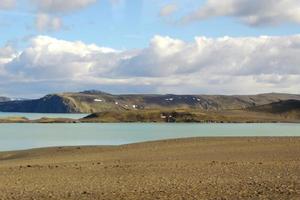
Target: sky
149,46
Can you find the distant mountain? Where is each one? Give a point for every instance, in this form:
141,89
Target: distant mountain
47,104
4,99
98,101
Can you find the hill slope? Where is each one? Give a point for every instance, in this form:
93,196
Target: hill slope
287,109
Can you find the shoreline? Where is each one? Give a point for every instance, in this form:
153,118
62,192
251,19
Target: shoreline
190,168
167,116
79,121
225,138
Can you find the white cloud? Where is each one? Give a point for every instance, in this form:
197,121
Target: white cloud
7,4
168,10
45,22
155,60
59,6
250,12
207,65
50,58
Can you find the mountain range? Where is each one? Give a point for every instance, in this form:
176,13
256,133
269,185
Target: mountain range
98,101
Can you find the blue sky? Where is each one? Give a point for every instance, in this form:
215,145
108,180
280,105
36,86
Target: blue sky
138,32
129,24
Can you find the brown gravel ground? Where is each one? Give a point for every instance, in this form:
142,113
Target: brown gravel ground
197,168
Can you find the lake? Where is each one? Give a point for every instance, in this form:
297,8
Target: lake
34,116
25,136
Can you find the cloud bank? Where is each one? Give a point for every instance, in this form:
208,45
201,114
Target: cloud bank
207,65
249,12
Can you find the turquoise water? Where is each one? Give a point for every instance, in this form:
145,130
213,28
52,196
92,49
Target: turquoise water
25,136
40,115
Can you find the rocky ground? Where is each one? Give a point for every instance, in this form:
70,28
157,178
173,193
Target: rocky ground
199,168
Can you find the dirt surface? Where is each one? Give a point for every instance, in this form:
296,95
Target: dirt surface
198,168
